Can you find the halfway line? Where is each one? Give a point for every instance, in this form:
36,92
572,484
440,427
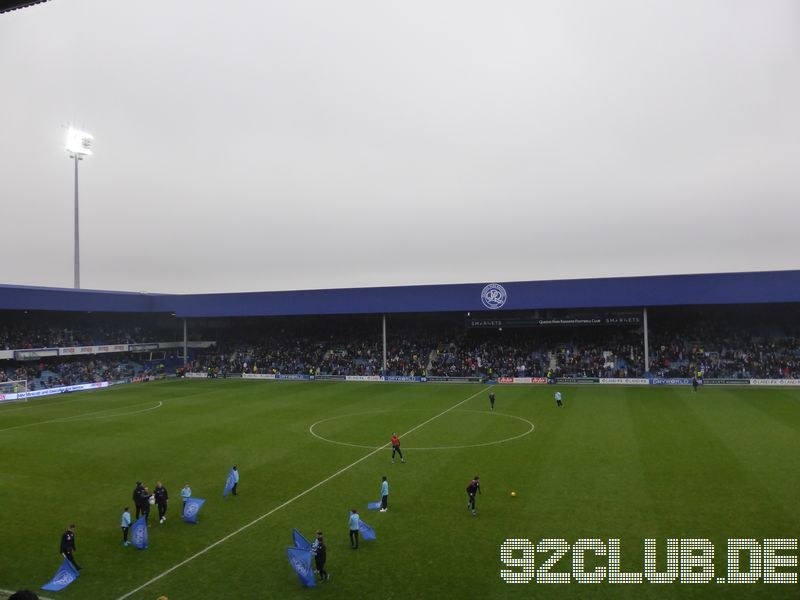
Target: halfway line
288,502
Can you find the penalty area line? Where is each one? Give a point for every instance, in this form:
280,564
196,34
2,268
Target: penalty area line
89,416
288,502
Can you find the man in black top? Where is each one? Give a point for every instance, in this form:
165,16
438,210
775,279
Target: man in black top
491,401
161,501
68,545
137,498
473,488
320,556
144,503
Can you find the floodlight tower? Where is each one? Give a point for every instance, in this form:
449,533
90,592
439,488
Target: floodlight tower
79,144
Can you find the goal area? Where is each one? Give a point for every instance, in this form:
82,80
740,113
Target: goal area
12,390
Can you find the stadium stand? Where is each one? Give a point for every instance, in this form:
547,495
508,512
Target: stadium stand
736,342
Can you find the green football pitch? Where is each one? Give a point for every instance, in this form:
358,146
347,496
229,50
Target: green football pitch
613,463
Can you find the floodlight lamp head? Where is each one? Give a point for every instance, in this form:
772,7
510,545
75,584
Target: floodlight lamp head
79,143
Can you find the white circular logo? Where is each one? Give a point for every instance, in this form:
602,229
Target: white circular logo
299,566
494,296
191,509
63,578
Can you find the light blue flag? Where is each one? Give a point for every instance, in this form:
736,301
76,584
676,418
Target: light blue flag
191,509
366,531
229,483
374,505
299,541
301,563
65,575
139,533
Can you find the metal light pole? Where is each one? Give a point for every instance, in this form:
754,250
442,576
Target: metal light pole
79,144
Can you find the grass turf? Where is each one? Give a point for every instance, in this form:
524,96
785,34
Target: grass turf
614,462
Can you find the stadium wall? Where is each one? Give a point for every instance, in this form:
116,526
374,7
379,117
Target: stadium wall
617,292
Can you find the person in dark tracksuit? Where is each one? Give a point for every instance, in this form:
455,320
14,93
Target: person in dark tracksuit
491,401
161,501
320,551
144,500
473,488
137,498
68,545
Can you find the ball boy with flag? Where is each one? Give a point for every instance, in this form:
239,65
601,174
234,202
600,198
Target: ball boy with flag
384,495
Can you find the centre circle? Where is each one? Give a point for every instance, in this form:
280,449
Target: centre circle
489,415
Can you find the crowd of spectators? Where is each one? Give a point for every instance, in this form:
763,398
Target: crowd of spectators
519,354
735,343
73,371
740,342
13,374
18,338
303,356
21,330
727,353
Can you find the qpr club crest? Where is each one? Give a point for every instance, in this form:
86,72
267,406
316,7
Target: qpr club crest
63,578
299,567
493,296
191,509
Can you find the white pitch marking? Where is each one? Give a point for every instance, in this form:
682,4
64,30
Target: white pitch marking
375,412
87,417
288,502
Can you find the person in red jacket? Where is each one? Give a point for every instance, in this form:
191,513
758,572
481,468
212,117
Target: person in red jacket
396,448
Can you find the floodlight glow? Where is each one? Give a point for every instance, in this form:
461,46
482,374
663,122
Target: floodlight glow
79,142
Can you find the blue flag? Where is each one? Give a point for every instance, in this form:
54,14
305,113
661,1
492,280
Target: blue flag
366,531
299,541
229,483
139,533
66,574
191,509
374,505
301,563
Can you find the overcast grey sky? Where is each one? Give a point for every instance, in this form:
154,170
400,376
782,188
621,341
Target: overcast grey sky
267,145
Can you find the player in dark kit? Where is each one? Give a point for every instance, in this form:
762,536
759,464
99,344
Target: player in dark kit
320,551
396,448
161,501
491,401
473,488
695,383
68,545
144,503
137,499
